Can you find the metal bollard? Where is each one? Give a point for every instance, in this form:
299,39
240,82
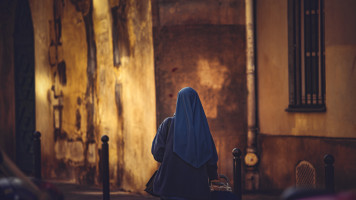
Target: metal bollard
105,167
37,154
237,172
329,172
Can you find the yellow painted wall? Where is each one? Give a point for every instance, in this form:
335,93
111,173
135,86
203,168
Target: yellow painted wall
272,62
136,74
118,101
43,78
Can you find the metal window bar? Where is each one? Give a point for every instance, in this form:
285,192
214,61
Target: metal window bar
307,50
306,55
311,53
299,57
322,54
315,54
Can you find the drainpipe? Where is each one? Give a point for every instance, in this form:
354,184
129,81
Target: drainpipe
251,157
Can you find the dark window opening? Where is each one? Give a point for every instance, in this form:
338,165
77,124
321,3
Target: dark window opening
306,56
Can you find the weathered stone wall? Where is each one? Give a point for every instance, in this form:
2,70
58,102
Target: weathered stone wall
135,94
102,98
87,87
81,93
201,44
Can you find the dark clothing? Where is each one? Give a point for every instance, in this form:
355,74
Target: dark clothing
175,177
192,139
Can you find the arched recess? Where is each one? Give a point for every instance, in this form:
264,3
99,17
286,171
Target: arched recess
305,174
24,72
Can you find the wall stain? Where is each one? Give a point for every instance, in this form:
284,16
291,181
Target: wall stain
118,101
57,15
120,32
62,73
120,143
61,169
142,9
86,173
79,101
78,118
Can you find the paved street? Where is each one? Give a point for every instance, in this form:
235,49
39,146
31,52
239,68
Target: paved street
79,192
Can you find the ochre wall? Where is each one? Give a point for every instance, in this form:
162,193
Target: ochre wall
286,138
201,44
43,82
281,154
74,69
138,99
272,61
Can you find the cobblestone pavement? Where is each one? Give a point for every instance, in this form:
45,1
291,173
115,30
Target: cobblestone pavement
81,192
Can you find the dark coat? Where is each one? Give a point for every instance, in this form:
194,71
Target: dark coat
175,177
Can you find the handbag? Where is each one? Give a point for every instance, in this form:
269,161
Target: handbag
221,189
149,185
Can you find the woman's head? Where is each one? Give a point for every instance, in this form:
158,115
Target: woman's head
187,91
187,95
192,138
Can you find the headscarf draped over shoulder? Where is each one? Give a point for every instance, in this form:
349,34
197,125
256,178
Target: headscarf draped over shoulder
192,138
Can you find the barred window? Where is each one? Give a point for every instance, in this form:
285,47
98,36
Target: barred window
306,56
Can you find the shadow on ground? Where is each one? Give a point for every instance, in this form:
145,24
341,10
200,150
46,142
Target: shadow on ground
73,191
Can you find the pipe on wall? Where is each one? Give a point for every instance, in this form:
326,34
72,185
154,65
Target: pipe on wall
251,175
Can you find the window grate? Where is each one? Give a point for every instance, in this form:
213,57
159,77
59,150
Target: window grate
305,174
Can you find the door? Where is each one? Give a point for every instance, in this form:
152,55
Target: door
24,85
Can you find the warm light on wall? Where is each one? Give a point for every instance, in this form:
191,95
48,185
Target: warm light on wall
57,110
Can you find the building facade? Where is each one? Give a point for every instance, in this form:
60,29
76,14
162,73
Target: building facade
76,70
306,105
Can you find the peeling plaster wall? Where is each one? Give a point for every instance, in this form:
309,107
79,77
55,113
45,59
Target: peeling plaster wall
43,80
126,93
60,61
139,98
75,139
81,95
201,44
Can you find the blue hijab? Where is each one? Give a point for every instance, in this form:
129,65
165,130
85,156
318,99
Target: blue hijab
192,140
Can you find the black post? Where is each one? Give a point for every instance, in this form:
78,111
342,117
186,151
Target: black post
37,154
329,172
105,165
237,172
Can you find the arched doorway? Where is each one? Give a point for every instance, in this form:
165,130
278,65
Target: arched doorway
24,66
